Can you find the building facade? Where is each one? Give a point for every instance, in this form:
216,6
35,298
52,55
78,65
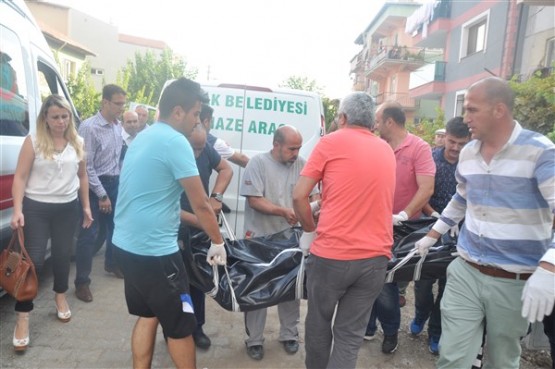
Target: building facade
388,57
109,49
480,39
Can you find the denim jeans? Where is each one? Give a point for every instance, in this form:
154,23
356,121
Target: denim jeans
86,241
426,307
387,310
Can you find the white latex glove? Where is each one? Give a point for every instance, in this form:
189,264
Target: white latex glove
306,240
454,231
435,214
538,295
216,254
401,217
423,245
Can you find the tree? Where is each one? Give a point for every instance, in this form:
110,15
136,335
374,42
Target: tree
144,78
535,102
426,129
330,110
303,83
83,94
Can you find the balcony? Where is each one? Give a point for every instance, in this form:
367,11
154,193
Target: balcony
408,102
396,59
430,24
357,63
428,82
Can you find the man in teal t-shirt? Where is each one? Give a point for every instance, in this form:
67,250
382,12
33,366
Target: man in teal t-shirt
157,167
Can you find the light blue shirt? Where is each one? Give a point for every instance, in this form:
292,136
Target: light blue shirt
103,143
147,212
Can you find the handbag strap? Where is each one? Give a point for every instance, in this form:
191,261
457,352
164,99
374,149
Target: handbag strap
19,238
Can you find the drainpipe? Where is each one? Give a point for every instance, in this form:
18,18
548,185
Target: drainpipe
523,13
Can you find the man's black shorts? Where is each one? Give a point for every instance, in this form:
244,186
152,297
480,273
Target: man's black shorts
157,286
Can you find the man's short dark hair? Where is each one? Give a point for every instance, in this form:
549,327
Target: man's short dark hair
110,90
456,127
395,111
182,92
206,112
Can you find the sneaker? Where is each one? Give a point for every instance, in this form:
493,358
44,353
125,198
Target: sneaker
416,327
369,336
202,341
389,344
291,346
433,345
256,352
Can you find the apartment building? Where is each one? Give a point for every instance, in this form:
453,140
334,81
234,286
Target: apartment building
388,57
108,49
480,39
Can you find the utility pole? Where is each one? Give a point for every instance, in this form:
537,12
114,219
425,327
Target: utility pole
208,73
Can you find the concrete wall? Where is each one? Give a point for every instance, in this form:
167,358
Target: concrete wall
539,28
462,72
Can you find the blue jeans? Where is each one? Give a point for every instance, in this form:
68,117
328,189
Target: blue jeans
86,241
425,307
386,308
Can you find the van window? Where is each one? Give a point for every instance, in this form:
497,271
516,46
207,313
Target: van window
49,82
14,106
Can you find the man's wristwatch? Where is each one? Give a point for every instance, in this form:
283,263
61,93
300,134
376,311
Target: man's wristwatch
218,196
103,198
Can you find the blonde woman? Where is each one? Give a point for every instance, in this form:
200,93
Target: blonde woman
50,173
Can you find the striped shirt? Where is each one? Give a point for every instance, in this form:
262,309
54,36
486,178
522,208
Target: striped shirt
103,143
508,204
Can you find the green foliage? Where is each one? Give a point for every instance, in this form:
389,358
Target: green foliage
82,92
535,103
301,83
426,128
330,110
144,78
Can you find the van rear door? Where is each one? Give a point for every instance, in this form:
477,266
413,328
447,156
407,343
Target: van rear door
246,117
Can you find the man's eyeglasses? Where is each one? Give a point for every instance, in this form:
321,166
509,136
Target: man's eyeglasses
120,104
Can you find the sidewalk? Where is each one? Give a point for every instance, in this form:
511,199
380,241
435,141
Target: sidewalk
98,335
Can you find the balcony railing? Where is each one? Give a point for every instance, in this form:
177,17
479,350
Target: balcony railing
402,98
399,54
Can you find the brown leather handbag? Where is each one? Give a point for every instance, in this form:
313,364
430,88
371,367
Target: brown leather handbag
17,272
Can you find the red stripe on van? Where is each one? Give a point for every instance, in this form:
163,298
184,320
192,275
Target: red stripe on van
6,200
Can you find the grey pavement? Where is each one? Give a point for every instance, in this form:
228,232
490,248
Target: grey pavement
98,335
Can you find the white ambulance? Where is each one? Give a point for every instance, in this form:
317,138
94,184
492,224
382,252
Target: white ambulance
246,117
28,74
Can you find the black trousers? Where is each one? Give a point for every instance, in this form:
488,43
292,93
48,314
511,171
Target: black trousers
54,221
549,330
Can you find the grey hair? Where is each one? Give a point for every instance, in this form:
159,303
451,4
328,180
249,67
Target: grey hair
359,109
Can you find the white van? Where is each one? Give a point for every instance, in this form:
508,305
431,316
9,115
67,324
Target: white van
246,117
28,73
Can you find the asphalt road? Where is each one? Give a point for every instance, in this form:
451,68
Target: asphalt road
98,336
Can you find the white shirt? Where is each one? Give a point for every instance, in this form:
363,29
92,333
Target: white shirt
54,180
